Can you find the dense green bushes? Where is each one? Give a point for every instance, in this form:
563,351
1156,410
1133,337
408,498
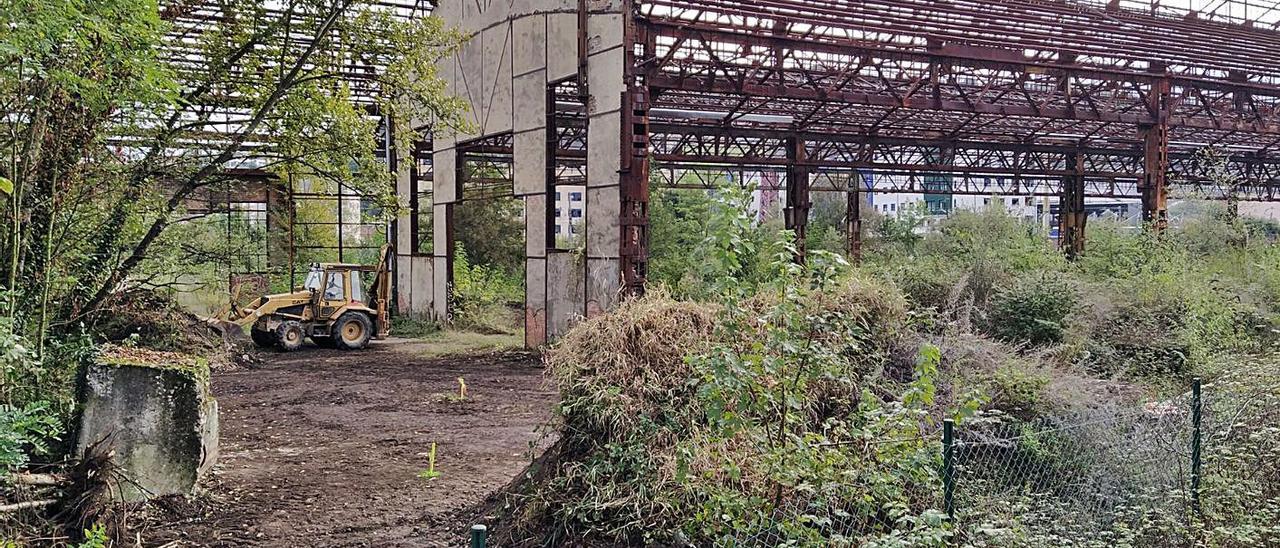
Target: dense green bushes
1132,305
1033,310
801,405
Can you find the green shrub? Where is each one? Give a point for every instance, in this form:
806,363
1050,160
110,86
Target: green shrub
1033,310
1018,391
403,325
488,297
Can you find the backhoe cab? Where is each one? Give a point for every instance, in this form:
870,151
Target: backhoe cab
333,308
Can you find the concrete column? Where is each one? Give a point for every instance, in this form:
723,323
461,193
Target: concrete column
605,65
445,193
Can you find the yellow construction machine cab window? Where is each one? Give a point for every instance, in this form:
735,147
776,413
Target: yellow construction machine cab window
335,286
312,282
357,286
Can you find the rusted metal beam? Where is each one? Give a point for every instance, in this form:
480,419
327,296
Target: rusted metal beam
796,212
853,219
1155,161
634,213
1071,212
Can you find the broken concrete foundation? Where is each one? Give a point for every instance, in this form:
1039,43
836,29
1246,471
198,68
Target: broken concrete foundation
160,423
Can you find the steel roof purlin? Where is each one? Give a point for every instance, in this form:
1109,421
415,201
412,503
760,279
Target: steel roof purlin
1012,83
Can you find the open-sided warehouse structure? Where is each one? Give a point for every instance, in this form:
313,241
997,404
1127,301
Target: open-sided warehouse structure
275,223
951,97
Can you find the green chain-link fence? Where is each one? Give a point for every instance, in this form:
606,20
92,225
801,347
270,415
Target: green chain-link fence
1085,480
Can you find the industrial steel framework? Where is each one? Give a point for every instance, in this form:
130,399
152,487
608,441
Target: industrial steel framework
1071,99
1018,97
256,203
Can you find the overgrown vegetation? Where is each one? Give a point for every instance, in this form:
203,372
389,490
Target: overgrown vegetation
111,132
777,404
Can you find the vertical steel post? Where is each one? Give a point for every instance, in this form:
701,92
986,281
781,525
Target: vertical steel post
1071,213
1196,406
853,218
231,276
1155,156
633,220
293,244
479,536
798,204
948,469
340,231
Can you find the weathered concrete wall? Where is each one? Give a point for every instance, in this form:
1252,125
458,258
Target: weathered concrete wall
605,57
566,289
517,48
161,423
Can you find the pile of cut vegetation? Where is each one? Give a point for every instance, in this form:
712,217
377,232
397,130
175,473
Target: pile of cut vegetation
686,423
149,320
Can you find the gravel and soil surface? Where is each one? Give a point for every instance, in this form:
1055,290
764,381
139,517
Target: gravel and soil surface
324,448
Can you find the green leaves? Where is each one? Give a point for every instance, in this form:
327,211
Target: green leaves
24,432
6,186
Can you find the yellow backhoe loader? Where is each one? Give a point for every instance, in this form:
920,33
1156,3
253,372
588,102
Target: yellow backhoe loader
333,308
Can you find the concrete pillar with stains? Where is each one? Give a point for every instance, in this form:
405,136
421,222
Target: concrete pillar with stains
517,49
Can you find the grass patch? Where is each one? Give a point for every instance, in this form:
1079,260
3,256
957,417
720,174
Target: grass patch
455,342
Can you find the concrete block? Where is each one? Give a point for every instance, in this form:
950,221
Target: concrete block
469,83
529,96
529,162
526,7
421,290
440,289
535,302
614,6
160,420
494,12
444,189
535,225
604,80
528,44
562,46
471,12
404,231
496,103
603,232
404,286
604,32
440,243
604,279
604,150
450,11
565,292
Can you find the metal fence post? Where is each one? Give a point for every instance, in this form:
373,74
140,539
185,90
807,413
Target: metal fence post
948,469
479,536
1196,406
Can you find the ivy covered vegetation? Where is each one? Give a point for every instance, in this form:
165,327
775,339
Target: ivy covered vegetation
752,401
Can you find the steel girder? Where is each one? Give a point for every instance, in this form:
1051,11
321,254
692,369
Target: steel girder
1010,89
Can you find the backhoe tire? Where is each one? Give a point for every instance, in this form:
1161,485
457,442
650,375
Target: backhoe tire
352,331
289,335
263,339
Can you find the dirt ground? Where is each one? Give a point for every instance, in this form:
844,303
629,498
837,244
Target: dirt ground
324,448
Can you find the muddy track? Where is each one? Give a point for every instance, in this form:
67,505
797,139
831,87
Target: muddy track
324,448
